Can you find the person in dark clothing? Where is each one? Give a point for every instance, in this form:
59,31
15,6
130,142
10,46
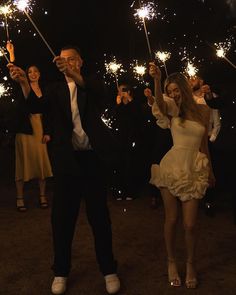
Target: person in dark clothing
225,144
78,140
126,168
158,139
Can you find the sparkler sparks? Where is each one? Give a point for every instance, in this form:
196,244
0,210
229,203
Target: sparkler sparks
107,120
114,69
4,90
23,5
163,56
6,9
191,69
146,11
139,70
221,50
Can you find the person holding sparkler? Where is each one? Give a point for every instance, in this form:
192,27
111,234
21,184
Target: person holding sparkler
199,89
78,142
185,171
129,125
160,140
32,160
225,144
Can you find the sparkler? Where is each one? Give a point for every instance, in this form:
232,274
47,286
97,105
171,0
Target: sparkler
108,121
221,50
24,5
146,12
191,69
113,68
4,90
4,54
163,56
6,10
139,70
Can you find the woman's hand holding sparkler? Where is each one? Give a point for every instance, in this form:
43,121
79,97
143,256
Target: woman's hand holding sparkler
19,76
154,71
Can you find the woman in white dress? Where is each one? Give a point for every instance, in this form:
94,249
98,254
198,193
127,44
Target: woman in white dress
185,171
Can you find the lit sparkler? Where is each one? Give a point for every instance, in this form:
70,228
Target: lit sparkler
221,50
4,90
2,53
6,10
113,68
163,56
146,12
25,6
107,120
191,69
139,70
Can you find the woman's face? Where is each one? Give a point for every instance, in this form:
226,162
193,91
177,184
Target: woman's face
174,92
33,74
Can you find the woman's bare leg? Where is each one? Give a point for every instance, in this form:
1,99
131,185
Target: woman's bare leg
190,210
171,216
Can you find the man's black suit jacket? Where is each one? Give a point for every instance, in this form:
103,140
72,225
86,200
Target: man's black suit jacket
56,107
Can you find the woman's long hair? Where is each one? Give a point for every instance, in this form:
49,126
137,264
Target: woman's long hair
188,104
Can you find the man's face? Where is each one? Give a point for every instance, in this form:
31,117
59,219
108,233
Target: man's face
195,83
73,58
124,93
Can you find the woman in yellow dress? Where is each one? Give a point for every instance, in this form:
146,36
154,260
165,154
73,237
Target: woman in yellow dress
32,161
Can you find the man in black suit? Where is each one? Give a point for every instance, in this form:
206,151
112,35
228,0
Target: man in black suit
78,138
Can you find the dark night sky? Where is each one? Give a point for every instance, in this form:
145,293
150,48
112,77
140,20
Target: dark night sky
108,26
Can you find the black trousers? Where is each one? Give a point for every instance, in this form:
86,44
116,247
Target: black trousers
69,190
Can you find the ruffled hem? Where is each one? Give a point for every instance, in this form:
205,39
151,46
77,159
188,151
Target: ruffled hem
185,186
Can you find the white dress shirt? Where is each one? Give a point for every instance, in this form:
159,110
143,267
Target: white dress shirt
80,139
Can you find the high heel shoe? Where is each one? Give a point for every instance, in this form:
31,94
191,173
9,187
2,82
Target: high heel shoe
191,283
173,277
20,204
43,202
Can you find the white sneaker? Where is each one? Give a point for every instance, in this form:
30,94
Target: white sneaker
112,283
59,285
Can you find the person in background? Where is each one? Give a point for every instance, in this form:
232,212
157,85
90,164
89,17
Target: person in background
32,160
225,143
199,90
128,116
158,139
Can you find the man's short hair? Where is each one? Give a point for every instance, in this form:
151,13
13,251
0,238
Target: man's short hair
74,47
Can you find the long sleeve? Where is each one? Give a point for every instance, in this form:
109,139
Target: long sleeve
163,121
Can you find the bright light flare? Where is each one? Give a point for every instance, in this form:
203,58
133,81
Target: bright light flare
191,69
139,70
163,56
6,10
146,11
222,48
22,5
4,90
113,67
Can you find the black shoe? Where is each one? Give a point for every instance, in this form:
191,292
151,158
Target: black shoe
209,210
